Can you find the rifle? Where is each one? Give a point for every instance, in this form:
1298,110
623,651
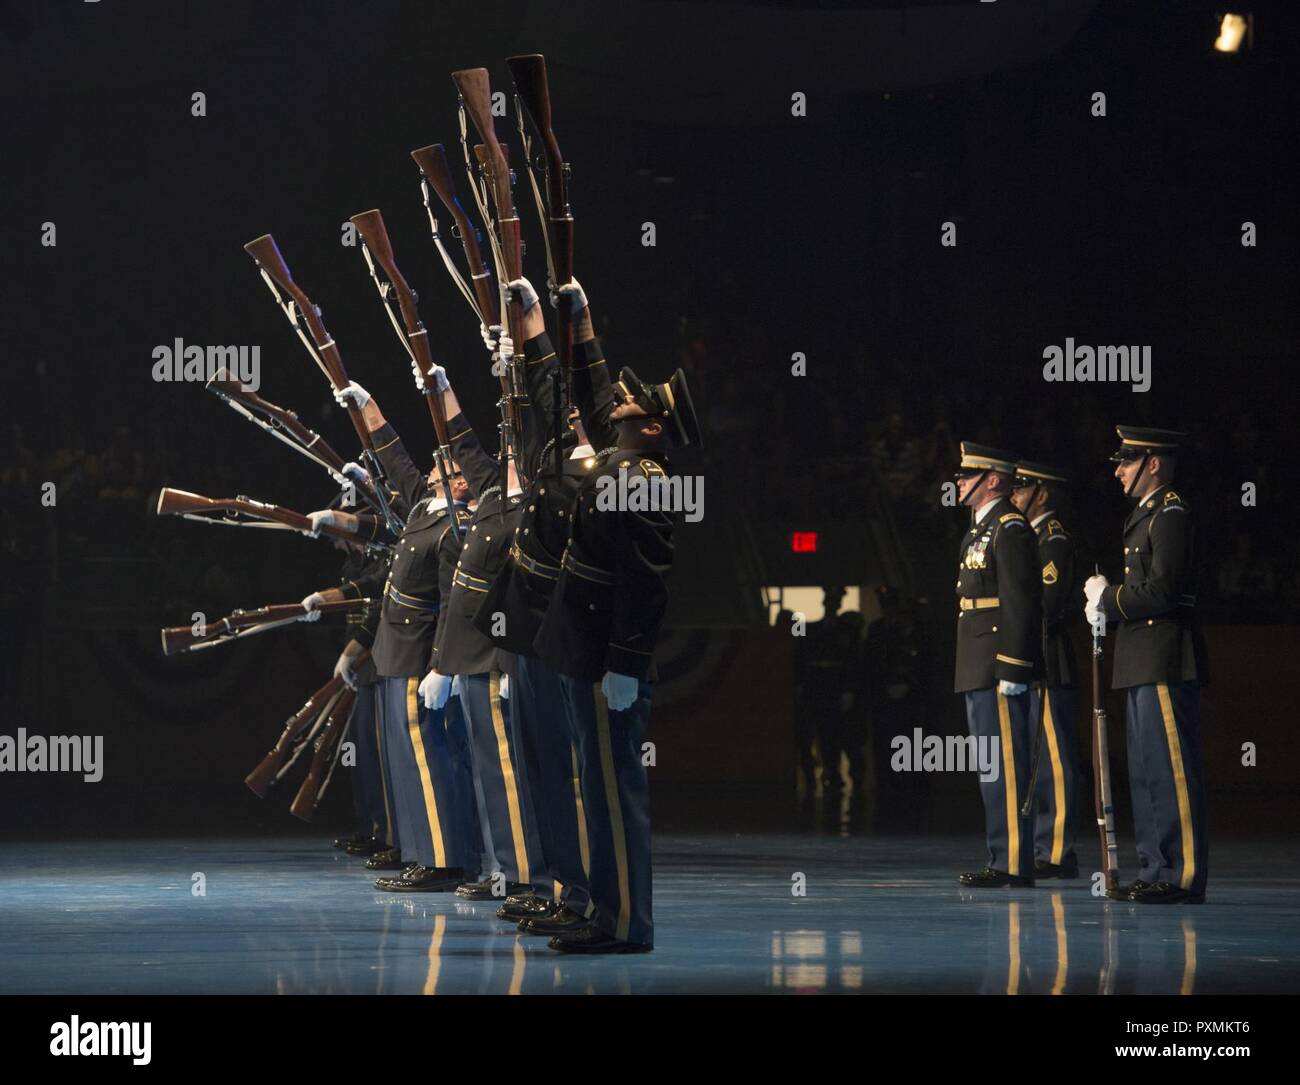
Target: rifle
327,744
1101,772
243,623
377,249
245,512
325,352
475,98
533,96
295,736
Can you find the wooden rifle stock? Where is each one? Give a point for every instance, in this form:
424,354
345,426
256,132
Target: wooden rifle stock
183,638
183,503
323,748
534,95
267,254
432,161
261,779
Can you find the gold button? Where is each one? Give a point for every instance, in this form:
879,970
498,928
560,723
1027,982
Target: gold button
1126,568
525,531
995,629
489,538
542,490
1150,621
407,620
532,508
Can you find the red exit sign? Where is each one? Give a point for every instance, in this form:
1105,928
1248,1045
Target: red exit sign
804,542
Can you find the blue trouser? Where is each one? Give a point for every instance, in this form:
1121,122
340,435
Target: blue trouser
1167,785
367,777
549,777
466,803
991,715
420,774
616,801
511,835
1056,791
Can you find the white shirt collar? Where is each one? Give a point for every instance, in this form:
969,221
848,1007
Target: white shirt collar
1039,519
581,451
984,509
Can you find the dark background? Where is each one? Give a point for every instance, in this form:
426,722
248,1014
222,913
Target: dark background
775,234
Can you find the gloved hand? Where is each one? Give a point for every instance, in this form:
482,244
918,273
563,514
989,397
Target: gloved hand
505,348
620,690
343,668
505,687
570,294
527,295
438,374
1093,588
310,604
435,688
323,518
351,396
1012,689
456,691
356,472
490,336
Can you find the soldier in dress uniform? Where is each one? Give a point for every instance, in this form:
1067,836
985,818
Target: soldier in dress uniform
1036,493
512,612
463,653
600,632
1160,659
999,623
437,848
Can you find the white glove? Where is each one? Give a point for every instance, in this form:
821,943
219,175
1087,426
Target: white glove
490,336
435,688
356,472
1012,689
527,295
343,669
351,396
505,348
324,518
505,687
439,375
1093,588
620,690
456,691
572,294
309,605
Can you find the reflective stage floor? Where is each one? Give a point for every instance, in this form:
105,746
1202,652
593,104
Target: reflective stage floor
880,915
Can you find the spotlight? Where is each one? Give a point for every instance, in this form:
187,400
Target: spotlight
1231,31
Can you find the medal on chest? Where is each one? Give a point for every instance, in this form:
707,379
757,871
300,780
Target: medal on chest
977,553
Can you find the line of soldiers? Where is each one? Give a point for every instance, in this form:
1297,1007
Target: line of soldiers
499,737
1016,670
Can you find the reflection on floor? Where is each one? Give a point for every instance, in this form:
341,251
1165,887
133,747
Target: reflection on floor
880,915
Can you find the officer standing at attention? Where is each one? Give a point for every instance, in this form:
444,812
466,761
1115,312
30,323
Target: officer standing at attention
1035,492
1160,660
998,642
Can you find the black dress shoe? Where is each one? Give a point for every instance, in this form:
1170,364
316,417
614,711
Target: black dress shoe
517,908
1125,892
422,879
988,878
345,842
591,939
560,920
389,859
1067,869
483,890
370,845
1166,893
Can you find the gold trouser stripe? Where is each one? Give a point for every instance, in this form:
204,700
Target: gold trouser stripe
1189,957
389,834
1062,945
435,955
1009,786
584,846
615,812
517,972
1058,780
422,763
1013,949
508,776
1180,784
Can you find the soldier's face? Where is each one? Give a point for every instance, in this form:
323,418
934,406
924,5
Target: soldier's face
629,408
1022,497
1127,471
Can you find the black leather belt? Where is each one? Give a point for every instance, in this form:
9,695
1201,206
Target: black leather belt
462,579
532,565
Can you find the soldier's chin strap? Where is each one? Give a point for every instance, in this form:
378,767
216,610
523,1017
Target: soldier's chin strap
1128,490
966,500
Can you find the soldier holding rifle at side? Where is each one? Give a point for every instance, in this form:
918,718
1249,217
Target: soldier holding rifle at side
1160,660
